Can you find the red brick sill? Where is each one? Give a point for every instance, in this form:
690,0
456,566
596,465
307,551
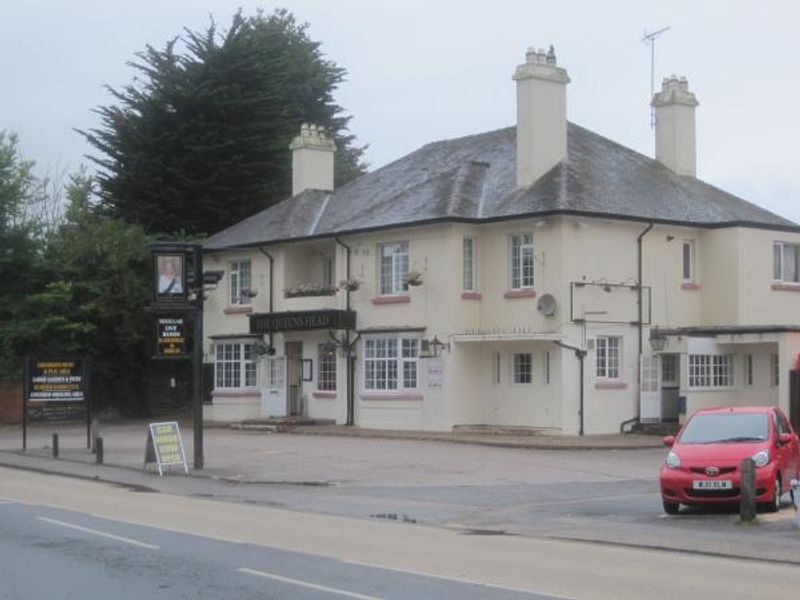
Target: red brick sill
326,394
391,396
471,295
688,285
228,393
391,300
786,287
238,310
526,293
610,385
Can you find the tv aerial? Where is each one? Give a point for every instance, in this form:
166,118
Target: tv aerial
650,38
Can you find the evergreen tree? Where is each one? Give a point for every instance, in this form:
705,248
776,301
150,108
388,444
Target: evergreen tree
200,139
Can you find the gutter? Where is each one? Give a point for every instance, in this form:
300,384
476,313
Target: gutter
580,354
271,265
351,359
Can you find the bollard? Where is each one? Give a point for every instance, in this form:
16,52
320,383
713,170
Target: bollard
747,502
98,450
94,433
55,445
795,487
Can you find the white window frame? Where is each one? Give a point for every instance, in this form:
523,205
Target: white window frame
547,368
328,272
689,261
781,251
608,357
496,366
235,366
391,364
522,368
326,369
748,370
521,261
669,370
711,371
393,268
241,278
469,264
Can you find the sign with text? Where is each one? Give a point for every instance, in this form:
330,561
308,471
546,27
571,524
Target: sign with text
305,320
56,380
165,446
170,337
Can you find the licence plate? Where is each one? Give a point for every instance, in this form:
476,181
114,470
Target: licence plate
712,484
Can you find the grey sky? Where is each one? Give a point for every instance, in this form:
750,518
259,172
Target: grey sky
421,70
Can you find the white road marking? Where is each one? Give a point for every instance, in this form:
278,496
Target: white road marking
456,580
4,500
307,584
110,536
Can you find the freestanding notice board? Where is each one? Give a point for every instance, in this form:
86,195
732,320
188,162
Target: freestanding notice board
165,446
55,389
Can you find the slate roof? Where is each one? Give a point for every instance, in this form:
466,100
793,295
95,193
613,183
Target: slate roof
473,179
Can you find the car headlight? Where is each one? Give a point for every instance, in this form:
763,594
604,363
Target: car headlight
761,458
673,462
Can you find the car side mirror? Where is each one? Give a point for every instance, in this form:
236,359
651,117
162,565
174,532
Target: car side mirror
785,438
668,441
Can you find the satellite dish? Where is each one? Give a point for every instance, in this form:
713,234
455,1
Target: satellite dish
547,305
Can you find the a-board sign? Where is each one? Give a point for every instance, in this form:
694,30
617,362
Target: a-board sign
165,446
170,337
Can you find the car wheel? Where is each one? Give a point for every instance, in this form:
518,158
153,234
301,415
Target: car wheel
775,505
672,508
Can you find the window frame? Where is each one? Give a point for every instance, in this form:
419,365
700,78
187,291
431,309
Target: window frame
779,262
243,363
235,296
774,370
469,268
326,371
611,369
689,262
398,269
748,370
397,364
711,371
518,278
522,373
328,271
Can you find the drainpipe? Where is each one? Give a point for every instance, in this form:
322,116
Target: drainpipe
580,354
271,264
350,371
640,326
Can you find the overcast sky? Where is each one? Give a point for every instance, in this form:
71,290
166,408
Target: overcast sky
424,70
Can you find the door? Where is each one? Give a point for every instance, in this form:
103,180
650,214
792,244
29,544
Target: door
650,389
294,379
273,391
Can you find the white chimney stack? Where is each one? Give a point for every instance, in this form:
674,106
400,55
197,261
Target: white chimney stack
541,115
312,160
675,137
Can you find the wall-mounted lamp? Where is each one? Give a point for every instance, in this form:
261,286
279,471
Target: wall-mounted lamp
430,348
658,341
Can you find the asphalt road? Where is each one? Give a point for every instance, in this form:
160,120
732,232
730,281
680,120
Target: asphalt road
64,555
67,538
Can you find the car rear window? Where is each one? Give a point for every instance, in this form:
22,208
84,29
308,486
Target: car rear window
729,427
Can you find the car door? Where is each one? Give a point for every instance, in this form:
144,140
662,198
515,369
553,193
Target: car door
791,450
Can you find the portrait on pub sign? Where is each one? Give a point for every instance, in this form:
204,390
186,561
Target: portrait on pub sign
170,276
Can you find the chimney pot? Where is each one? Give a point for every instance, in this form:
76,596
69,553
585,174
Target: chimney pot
312,159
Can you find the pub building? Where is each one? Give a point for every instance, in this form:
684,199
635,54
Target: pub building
538,276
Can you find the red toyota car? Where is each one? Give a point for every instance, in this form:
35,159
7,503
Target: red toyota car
702,466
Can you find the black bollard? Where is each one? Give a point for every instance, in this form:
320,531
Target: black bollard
98,450
55,445
747,502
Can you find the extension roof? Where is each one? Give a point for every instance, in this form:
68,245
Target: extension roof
473,179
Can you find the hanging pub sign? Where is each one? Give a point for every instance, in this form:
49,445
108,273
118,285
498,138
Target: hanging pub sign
170,272
303,320
170,337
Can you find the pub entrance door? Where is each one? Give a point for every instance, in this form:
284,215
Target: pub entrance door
294,374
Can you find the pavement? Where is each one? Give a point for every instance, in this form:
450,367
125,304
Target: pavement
604,489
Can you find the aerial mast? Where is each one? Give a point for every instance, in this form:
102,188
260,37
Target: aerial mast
651,39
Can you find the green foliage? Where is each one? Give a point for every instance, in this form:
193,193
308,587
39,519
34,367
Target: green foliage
200,140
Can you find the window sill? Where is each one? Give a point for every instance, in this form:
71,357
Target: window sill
238,309
391,300
391,396
690,285
524,293
325,394
610,385
786,287
471,295
238,392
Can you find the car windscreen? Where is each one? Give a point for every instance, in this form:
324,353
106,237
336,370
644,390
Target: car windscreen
728,427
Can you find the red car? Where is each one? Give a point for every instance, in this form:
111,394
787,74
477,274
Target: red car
703,464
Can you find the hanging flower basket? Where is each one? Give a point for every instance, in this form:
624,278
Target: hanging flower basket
414,278
349,285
